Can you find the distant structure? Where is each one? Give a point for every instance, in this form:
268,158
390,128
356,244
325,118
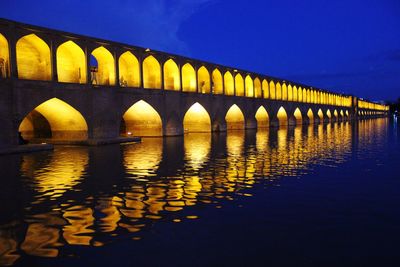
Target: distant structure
63,87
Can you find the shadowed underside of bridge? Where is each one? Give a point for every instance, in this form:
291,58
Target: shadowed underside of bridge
57,87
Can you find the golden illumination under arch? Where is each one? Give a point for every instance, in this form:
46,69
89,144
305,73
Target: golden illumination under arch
310,114
328,114
262,117
282,116
4,57
239,85
234,118
298,116
284,92
33,58
203,79
335,113
265,89
54,119
278,91
151,73
71,63
320,114
171,76
249,86
141,119
272,91
188,78
129,70
217,84
295,93
300,94
257,88
290,93
197,119
106,66
229,84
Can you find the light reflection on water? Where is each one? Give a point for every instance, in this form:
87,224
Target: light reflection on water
89,196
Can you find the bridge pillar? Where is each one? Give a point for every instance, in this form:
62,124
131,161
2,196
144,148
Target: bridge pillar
251,123
292,121
8,120
306,120
274,122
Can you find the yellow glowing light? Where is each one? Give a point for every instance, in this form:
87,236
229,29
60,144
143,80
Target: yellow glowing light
234,118
297,114
265,88
129,70
262,117
141,119
203,79
257,88
278,91
71,63
217,83
282,116
272,92
310,114
106,66
197,147
188,78
151,73
33,58
249,86
4,57
239,85
197,119
229,84
171,76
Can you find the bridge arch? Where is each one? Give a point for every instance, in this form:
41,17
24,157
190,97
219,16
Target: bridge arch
196,119
278,91
300,94
310,115
129,70
282,117
295,96
188,78
239,85
141,119
217,83
171,76
4,57
106,67
305,95
290,93
296,118
262,117
272,91
320,115
249,86
229,84
151,73
33,58
54,119
284,92
203,80
257,88
234,118
265,89
335,113
71,63
328,114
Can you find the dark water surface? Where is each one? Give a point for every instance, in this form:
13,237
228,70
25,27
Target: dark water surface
323,195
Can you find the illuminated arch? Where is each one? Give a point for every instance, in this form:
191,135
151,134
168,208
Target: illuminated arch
171,76
217,84
188,78
265,88
272,91
335,113
341,113
229,84
262,117
4,58
300,94
347,113
310,115
106,67
257,88
298,116
141,119
129,70
249,86
328,114
295,93
308,96
54,119
151,73
290,93
284,92
203,79
71,63
278,91
234,118
33,58
305,100
239,85
197,119
320,114
282,116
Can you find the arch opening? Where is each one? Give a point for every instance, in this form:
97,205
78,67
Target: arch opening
203,80
53,119
129,70
4,58
282,116
257,88
229,84
278,91
104,73
262,118
197,119
217,84
297,115
310,115
320,114
141,119
171,76
234,118
239,85
328,114
249,86
71,63
265,89
188,78
272,92
33,58
335,113
151,73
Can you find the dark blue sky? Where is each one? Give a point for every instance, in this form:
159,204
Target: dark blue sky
348,46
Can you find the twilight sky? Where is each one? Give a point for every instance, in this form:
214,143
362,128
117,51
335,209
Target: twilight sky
350,46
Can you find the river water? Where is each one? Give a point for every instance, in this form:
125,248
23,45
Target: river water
322,195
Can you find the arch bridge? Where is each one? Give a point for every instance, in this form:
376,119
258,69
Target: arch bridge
67,87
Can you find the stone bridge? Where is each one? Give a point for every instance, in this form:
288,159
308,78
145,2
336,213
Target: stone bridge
59,87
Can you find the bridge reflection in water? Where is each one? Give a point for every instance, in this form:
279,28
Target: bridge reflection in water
89,196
